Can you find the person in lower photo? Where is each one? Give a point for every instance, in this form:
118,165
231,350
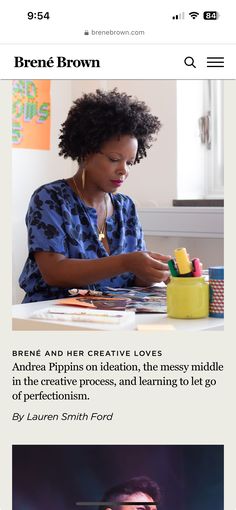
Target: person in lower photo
140,493
82,232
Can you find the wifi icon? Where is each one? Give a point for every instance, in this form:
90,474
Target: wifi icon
194,14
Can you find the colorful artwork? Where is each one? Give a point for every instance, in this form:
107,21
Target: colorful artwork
31,114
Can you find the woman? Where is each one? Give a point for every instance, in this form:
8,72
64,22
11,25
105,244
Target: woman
81,232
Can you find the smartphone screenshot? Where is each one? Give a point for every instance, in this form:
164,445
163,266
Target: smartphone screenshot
118,157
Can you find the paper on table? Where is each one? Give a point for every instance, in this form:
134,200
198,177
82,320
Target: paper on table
139,299
98,303
95,319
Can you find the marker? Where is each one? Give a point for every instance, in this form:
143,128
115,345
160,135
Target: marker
173,268
197,270
183,262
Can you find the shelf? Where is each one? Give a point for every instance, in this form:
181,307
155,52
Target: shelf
183,222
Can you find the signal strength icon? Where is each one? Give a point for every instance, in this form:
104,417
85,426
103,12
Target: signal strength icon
194,14
179,16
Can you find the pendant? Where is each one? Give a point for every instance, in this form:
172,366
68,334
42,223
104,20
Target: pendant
101,236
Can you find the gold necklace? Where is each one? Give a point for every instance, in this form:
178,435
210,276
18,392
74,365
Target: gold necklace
102,230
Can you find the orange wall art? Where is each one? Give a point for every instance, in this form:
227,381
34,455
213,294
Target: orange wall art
31,114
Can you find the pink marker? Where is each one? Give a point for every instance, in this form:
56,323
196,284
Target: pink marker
197,267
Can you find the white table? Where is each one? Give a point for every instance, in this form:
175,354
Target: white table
144,322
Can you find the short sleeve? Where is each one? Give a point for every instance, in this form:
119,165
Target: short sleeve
44,221
141,245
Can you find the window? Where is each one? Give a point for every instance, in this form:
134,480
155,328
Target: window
200,139
214,157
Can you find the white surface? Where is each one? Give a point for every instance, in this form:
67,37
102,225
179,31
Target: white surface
183,221
86,318
21,320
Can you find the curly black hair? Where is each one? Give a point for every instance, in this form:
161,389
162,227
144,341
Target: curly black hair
97,117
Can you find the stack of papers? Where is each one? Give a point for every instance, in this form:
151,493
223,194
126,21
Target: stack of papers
138,299
87,318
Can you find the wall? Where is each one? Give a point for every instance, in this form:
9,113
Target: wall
30,169
210,252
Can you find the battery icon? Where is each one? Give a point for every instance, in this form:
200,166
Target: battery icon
210,15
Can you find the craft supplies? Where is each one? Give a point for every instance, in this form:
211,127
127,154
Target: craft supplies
216,283
187,298
173,267
187,291
182,266
183,262
197,270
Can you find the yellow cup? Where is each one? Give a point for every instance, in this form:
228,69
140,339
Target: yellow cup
187,298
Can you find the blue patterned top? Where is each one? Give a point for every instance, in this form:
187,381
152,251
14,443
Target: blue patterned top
59,222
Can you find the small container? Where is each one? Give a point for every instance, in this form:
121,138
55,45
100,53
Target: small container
188,298
216,283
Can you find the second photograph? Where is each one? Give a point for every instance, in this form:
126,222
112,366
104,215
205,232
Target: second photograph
118,477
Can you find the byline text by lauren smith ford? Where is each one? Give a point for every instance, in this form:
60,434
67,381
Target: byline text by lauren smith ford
70,417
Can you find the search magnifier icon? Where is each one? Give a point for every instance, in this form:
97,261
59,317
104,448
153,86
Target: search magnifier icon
189,61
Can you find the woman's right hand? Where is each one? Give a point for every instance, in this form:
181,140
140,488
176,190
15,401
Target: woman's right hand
149,267
59,271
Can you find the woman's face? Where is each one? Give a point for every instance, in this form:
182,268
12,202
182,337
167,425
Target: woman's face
107,170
